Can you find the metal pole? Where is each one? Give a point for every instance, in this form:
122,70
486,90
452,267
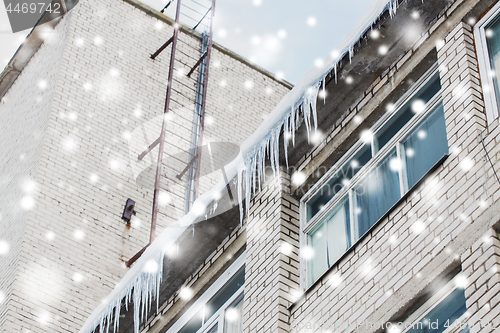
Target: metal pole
205,88
164,125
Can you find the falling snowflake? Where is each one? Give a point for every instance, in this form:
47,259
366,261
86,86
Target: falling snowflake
27,203
77,277
4,248
298,178
79,234
383,49
42,84
186,293
93,178
311,21
249,84
98,40
79,42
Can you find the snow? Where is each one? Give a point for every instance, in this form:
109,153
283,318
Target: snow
141,283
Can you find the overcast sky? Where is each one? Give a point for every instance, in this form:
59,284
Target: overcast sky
285,37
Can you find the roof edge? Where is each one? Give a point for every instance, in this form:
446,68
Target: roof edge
25,53
160,16
33,42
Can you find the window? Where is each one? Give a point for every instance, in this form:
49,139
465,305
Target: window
444,312
220,308
487,37
373,175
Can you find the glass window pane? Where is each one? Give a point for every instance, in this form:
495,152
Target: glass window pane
193,325
213,329
425,146
393,126
493,41
442,315
233,317
318,264
224,294
413,106
338,234
377,193
338,181
329,240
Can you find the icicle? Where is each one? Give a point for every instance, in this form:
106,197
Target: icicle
259,167
248,195
314,114
137,306
254,175
335,71
159,277
271,154
276,142
286,139
324,92
117,315
240,195
263,160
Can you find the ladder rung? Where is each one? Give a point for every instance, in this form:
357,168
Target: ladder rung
208,11
163,47
197,64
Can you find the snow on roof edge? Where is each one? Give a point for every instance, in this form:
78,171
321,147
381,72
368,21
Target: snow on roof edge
141,284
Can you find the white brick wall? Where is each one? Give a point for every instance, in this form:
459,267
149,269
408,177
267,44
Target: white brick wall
271,271
481,268
25,111
384,273
449,203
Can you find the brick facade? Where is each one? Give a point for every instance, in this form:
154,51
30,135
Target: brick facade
393,264
480,265
393,268
26,111
389,268
271,276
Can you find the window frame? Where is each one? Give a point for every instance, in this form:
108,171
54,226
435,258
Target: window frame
198,305
434,301
490,98
378,155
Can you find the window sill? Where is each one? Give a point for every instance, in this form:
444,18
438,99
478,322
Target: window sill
368,232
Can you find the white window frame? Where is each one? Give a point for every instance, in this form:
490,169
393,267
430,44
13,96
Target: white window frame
396,141
483,57
434,301
217,317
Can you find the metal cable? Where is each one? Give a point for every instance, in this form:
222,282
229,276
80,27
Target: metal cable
485,184
488,156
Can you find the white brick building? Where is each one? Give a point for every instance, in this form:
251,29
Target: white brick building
386,218
324,249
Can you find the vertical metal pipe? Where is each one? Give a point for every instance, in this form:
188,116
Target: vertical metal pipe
164,125
205,88
190,194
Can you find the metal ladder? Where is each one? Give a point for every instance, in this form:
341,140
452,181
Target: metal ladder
197,14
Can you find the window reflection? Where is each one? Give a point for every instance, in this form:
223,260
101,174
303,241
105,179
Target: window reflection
233,317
